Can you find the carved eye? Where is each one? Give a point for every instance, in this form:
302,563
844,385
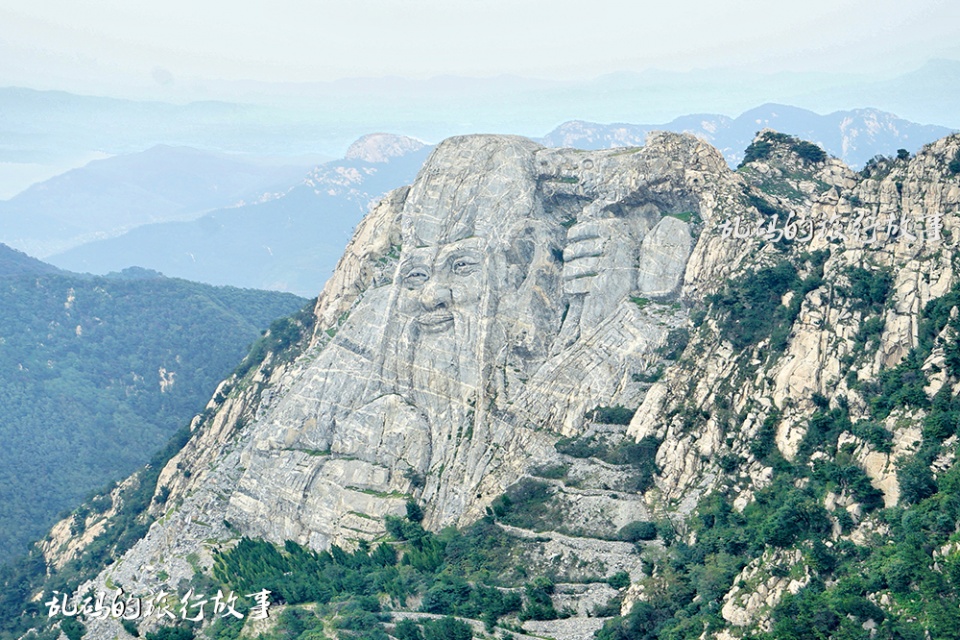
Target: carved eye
415,277
464,265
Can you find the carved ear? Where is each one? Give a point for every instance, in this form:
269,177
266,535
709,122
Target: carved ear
531,245
522,249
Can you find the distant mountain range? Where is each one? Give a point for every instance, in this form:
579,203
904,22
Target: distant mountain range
98,372
286,235
853,136
289,242
108,197
46,129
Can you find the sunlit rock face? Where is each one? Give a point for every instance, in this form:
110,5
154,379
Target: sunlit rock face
486,311
508,310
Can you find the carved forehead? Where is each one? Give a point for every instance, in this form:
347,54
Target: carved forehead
470,186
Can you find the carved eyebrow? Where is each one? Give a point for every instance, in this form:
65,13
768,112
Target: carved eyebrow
463,253
447,252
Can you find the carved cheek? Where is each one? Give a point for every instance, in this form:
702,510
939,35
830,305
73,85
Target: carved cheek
408,301
467,290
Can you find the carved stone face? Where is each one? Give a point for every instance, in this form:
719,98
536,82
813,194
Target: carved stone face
441,286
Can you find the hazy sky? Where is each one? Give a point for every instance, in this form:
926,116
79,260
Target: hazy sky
125,46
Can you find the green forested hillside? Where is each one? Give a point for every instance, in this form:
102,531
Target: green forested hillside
13,262
97,373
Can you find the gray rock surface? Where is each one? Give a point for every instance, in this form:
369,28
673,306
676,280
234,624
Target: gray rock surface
483,313
495,326
475,318
380,147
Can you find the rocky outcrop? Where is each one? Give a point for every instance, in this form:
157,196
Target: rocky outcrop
505,309
897,222
381,147
486,311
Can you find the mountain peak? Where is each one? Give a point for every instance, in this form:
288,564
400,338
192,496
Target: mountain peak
381,147
620,348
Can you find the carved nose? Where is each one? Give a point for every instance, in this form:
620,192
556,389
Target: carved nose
434,296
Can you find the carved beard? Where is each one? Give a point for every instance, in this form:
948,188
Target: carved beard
444,372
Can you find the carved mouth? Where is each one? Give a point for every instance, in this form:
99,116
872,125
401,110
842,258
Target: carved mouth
435,321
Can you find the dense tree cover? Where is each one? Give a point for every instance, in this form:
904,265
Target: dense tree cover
97,374
453,573
28,575
763,146
749,308
15,263
688,584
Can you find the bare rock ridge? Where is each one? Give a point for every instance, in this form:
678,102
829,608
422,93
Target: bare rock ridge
484,313
380,147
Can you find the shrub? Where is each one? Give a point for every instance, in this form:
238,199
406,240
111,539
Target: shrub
869,289
130,627
809,151
954,165
612,415
551,472
762,148
171,633
637,530
619,580
764,207
677,340
73,628
797,518
524,504
608,610
758,150
539,603
916,481
666,531
414,512
446,629
765,441
446,597
577,447
407,630
749,307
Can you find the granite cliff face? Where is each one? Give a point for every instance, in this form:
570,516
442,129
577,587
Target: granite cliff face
488,311
498,316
